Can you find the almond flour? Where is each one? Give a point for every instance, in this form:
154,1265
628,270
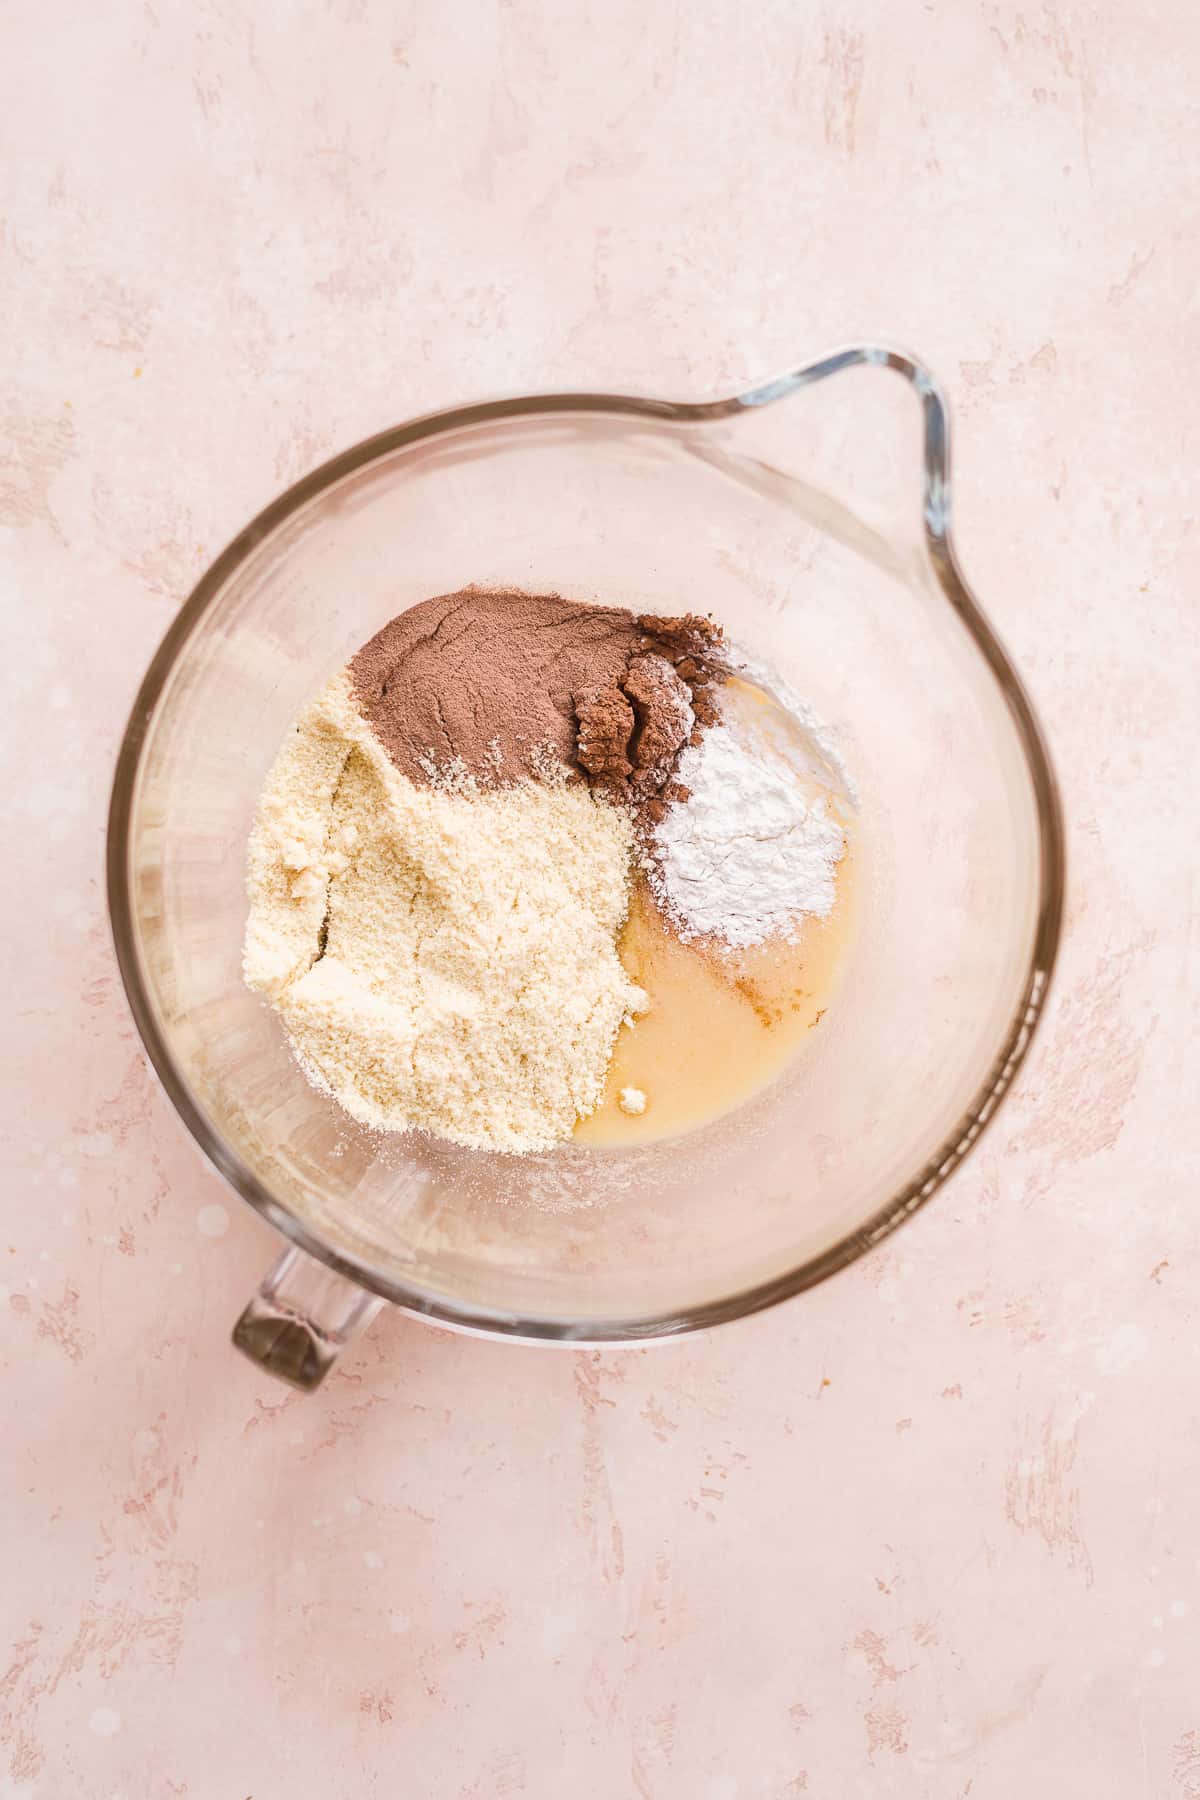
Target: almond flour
443,957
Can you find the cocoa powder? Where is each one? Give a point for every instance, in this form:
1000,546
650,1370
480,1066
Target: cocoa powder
497,680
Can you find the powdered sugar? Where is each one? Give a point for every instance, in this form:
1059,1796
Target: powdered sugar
749,853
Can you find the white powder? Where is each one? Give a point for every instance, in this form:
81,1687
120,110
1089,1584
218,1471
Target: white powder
821,742
442,957
747,856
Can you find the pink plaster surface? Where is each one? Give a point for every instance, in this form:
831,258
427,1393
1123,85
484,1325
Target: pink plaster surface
930,1531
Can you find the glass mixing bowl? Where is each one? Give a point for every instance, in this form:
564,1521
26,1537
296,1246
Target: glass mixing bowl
811,516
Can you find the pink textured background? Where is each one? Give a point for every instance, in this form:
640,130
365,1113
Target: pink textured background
930,1531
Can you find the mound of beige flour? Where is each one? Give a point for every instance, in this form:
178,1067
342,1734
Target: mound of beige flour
442,954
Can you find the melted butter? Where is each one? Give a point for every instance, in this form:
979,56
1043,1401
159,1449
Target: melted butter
722,1023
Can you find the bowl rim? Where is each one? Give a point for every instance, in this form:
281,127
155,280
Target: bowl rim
1021,1027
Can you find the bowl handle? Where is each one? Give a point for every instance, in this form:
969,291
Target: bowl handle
302,1316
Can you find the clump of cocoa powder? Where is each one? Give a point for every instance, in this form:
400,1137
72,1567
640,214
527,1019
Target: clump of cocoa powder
632,730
